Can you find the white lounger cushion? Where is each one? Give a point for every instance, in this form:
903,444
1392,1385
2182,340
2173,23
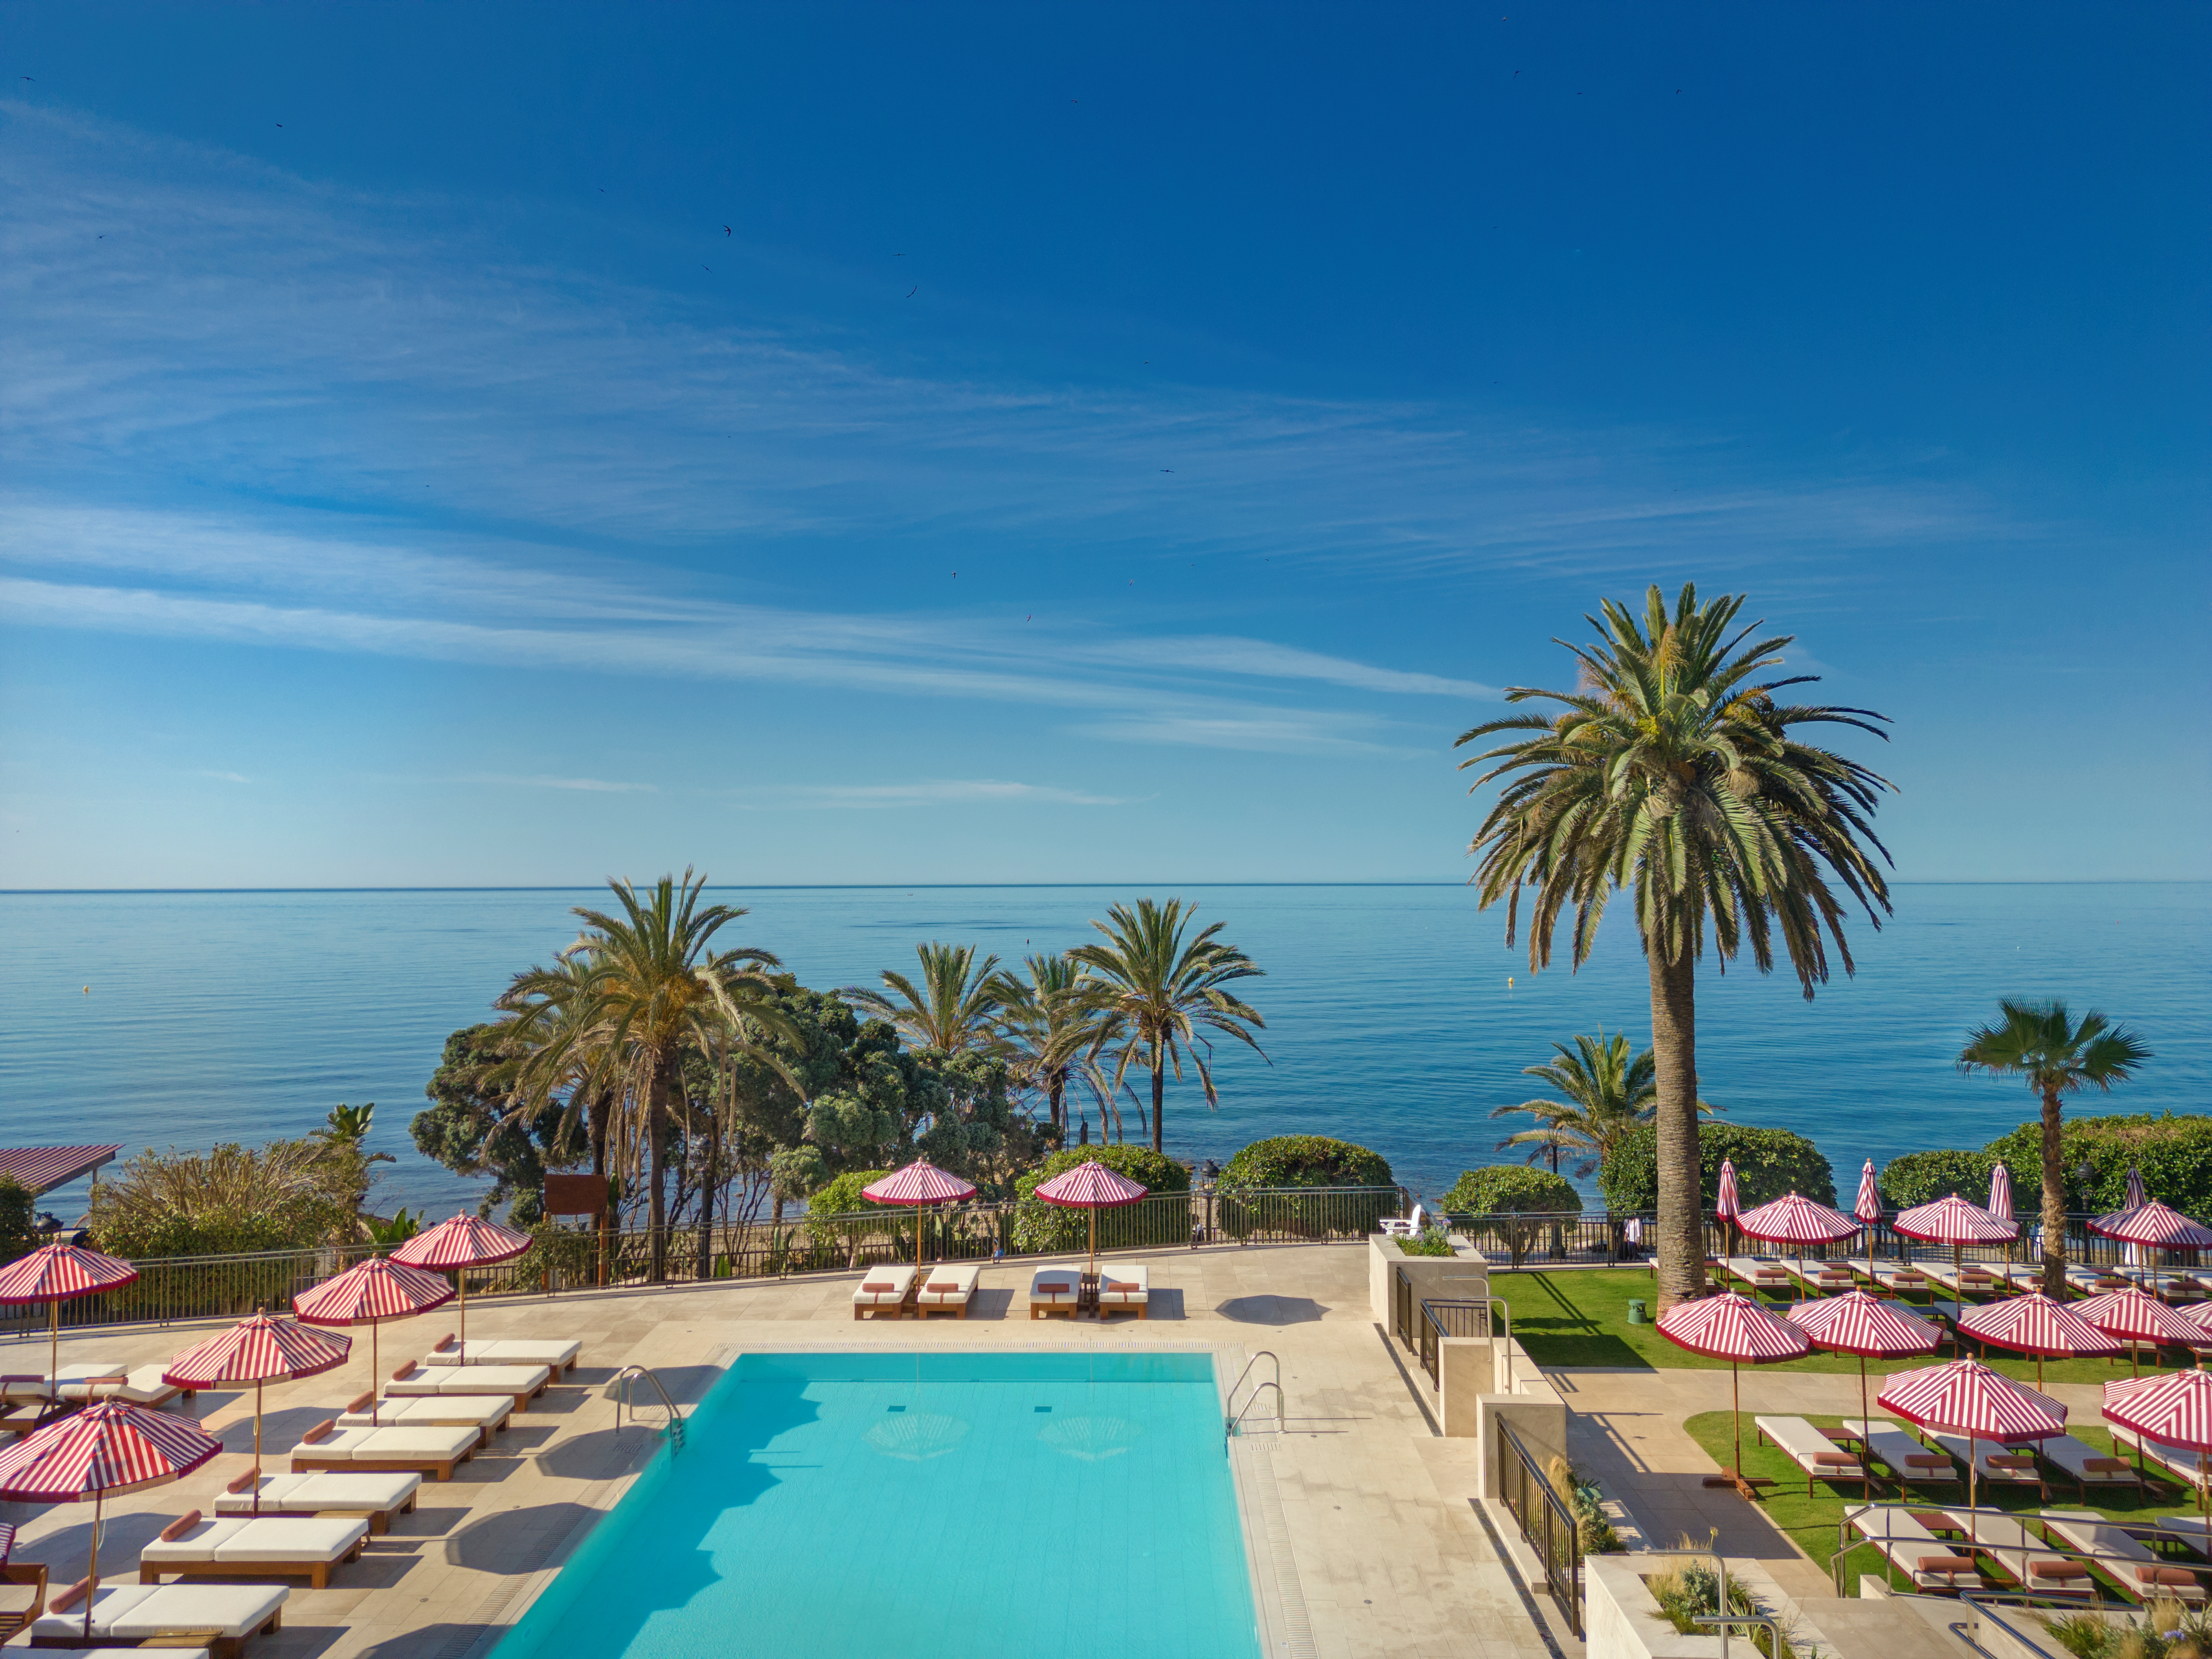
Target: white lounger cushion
142,1385
358,1493
509,1351
1135,1274
1066,1279
1983,1451
304,1538
132,1612
951,1282
899,1279
480,1411
472,1379
2190,1464
2071,1454
136,1653
428,1445
1892,1446
1804,1444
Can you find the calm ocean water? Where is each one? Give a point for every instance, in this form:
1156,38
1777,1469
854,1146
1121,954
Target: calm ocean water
247,1015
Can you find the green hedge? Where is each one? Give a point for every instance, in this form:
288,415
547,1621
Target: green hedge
1305,1161
1042,1227
1769,1162
1497,1187
1925,1177
1250,1182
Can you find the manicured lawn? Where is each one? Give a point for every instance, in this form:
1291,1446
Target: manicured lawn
1580,1317
1812,1521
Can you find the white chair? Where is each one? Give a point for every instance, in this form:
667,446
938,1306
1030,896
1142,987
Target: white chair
375,1496
521,1383
1816,1455
252,1546
429,1450
556,1355
1121,1289
947,1288
884,1290
1053,1290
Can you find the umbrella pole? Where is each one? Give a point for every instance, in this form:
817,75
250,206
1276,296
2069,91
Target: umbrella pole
463,1275
372,1373
1866,1429
257,1445
54,1352
92,1577
1973,1491
1736,1416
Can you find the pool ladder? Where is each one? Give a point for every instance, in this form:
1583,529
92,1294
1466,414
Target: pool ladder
1233,1416
675,1430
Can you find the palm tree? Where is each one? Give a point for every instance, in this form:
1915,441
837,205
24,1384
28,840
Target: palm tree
1671,772
1607,1092
1052,1023
2037,1042
1156,991
954,1008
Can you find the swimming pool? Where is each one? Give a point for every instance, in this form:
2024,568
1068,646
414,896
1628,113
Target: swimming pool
921,1504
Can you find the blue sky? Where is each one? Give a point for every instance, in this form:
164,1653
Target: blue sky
513,445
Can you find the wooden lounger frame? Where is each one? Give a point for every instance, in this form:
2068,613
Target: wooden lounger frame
304,1462
379,1521
522,1397
559,1371
218,1647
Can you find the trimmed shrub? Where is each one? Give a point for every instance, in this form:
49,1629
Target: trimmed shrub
1769,1162
1042,1227
837,1214
18,1230
1505,1189
1305,1161
1251,1182
2174,1153
1925,1177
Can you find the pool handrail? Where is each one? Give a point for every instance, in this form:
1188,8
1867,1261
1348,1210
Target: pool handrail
675,1429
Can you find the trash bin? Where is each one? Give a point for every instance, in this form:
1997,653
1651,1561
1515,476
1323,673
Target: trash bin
1636,1314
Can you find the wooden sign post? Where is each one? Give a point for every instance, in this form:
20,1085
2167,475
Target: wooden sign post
581,1195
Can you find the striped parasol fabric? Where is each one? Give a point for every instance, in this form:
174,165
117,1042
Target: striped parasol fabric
1726,1204
1868,1207
108,1448
2035,1324
1796,1220
1732,1327
261,1349
1952,1220
57,1273
465,1241
2001,1193
2153,1224
1858,1323
371,1292
2134,1316
1090,1184
2136,1197
2198,1314
919,1182
2174,1409
1967,1397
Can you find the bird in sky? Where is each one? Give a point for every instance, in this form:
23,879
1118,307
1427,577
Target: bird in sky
1167,469
915,289
727,231
710,269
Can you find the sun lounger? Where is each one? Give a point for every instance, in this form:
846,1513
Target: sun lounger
1905,1458
252,1546
1971,1279
142,1385
1929,1563
2086,1467
1759,1273
884,1290
1996,1463
2187,1467
947,1288
2140,1574
487,1413
131,1614
422,1451
1053,1290
521,1383
1125,1288
556,1356
1831,1277
375,1497
2038,1568
1812,1452
1900,1278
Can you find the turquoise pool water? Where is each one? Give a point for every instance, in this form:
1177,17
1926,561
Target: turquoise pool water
932,1505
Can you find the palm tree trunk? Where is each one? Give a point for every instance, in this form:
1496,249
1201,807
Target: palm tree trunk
1675,1053
1159,1114
706,1253
2054,1200
656,1130
599,1111
1057,1094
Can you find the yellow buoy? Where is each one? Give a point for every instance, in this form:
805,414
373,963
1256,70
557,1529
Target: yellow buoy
88,990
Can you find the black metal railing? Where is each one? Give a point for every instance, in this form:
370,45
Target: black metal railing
578,1258
1441,1319
1401,1305
1545,1520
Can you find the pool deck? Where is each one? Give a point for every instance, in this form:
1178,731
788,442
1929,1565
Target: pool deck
1377,1547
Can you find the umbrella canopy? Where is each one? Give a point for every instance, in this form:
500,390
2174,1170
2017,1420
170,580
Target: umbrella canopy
1796,1221
1865,1325
2001,1192
259,1350
1726,1205
1967,1397
57,1273
1868,1207
2146,1224
1953,1221
2136,1196
456,1245
919,1182
368,1293
2174,1409
2035,1324
1093,1187
2136,1317
1737,1329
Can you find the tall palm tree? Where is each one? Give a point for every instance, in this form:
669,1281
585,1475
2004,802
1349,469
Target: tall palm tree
1052,1023
1607,1090
1671,771
2035,1041
954,1008
1156,991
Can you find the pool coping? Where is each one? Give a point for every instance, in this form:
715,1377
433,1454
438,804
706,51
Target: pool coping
1277,1603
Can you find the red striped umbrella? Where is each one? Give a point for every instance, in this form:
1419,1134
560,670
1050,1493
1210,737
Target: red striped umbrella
2174,1410
2137,1317
2135,1195
108,1447
1093,1187
1967,1397
2154,1223
55,1273
2035,1324
1953,1221
1868,1209
2001,1193
1726,1204
1796,1220
1857,1323
1737,1329
919,1182
259,1350
368,1293
457,1245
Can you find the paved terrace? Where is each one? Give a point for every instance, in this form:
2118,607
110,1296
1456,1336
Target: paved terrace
1379,1549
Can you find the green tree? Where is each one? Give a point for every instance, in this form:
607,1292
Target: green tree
1158,993
19,1231
1607,1091
954,1008
1769,1162
1039,1225
1671,772
1051,1025
1304,1161
2056,1057
1512,1190
288,1194
476,1125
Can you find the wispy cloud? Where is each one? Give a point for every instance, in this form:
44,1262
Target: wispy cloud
589,786
931,792
226,777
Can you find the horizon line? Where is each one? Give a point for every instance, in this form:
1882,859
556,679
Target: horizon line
958,886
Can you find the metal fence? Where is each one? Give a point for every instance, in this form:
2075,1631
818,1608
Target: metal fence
1441,1319
578,1258
1545,1520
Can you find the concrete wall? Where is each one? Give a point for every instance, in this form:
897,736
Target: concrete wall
1461,1277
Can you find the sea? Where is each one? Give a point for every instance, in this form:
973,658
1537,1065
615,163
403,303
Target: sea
1397,1015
